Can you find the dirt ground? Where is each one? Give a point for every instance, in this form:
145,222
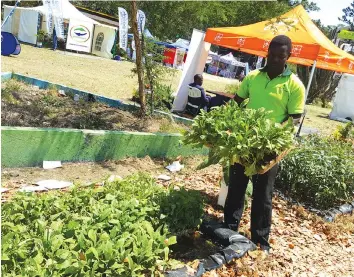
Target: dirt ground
28,106
302,244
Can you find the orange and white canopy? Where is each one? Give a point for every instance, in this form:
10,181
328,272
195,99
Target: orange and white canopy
309,43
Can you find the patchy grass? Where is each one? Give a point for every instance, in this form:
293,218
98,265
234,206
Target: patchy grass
317,117
97,75
28,106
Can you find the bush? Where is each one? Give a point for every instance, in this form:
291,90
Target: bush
115,230
162,97
320,172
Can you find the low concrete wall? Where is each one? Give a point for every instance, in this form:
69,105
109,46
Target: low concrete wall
25,147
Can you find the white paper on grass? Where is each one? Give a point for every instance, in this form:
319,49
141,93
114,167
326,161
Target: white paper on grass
51,164
175,166
32,189
54,184
164,177
2,190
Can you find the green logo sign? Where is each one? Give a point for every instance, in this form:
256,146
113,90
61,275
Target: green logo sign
80,33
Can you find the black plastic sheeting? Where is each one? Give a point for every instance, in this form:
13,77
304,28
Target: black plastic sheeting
331,214
236,247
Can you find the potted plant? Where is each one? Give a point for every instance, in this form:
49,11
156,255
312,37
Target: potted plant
40,38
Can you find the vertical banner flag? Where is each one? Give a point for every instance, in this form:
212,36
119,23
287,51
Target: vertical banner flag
54,13
49,16
123,28
141,21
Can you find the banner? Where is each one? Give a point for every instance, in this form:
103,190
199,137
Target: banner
54,13
79,36
259,62
123,28
179,57
49,16
141,21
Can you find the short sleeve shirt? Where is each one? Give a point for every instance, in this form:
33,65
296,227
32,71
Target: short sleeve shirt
283,95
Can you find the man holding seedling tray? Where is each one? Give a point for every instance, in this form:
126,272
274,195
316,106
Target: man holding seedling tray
276,89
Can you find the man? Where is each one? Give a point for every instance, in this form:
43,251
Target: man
55,40
276,89
204,101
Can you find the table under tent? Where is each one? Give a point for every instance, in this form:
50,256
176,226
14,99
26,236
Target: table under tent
26,22
310,47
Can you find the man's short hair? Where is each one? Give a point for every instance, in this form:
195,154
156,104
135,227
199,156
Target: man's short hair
197,77
280,41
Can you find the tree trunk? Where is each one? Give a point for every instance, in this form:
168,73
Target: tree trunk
139,65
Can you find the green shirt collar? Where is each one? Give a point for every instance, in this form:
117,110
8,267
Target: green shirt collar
286,72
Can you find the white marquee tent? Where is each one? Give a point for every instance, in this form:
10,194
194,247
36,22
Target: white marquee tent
343,104
25,23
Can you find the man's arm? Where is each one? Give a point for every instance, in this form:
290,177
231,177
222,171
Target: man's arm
296,103
243,91
205,99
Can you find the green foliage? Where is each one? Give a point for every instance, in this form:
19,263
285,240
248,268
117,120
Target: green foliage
185,210
41,35
160,95
7,93
115,230
344,132
239,135
186,15
348,16
320,172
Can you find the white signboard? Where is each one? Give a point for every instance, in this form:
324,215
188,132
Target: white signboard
141,21
123,28
80,35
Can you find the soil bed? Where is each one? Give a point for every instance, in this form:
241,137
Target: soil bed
303,245
28,106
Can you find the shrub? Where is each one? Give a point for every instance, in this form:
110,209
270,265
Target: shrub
320,172
115,230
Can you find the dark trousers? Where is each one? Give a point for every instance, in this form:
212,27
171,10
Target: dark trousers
55,40
261,211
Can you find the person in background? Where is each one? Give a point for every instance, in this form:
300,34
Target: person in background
274,88
129,52
55,40
205,99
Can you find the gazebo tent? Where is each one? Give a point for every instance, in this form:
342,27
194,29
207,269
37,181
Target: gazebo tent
25,23
310,45
343,104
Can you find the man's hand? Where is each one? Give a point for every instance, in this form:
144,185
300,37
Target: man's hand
296,119
238,99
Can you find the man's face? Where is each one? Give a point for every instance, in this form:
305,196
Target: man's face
277,57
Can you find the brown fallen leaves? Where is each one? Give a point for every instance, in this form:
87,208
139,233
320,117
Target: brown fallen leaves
302,244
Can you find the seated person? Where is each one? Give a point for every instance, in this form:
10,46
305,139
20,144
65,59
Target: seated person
203,101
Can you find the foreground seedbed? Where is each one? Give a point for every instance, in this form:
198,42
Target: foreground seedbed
303,245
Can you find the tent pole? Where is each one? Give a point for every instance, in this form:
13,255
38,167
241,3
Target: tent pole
10,13
306,94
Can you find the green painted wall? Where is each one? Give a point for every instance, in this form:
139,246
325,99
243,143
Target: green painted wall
21,146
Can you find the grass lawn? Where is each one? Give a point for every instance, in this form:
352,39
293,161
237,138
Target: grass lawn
98,75
114,79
